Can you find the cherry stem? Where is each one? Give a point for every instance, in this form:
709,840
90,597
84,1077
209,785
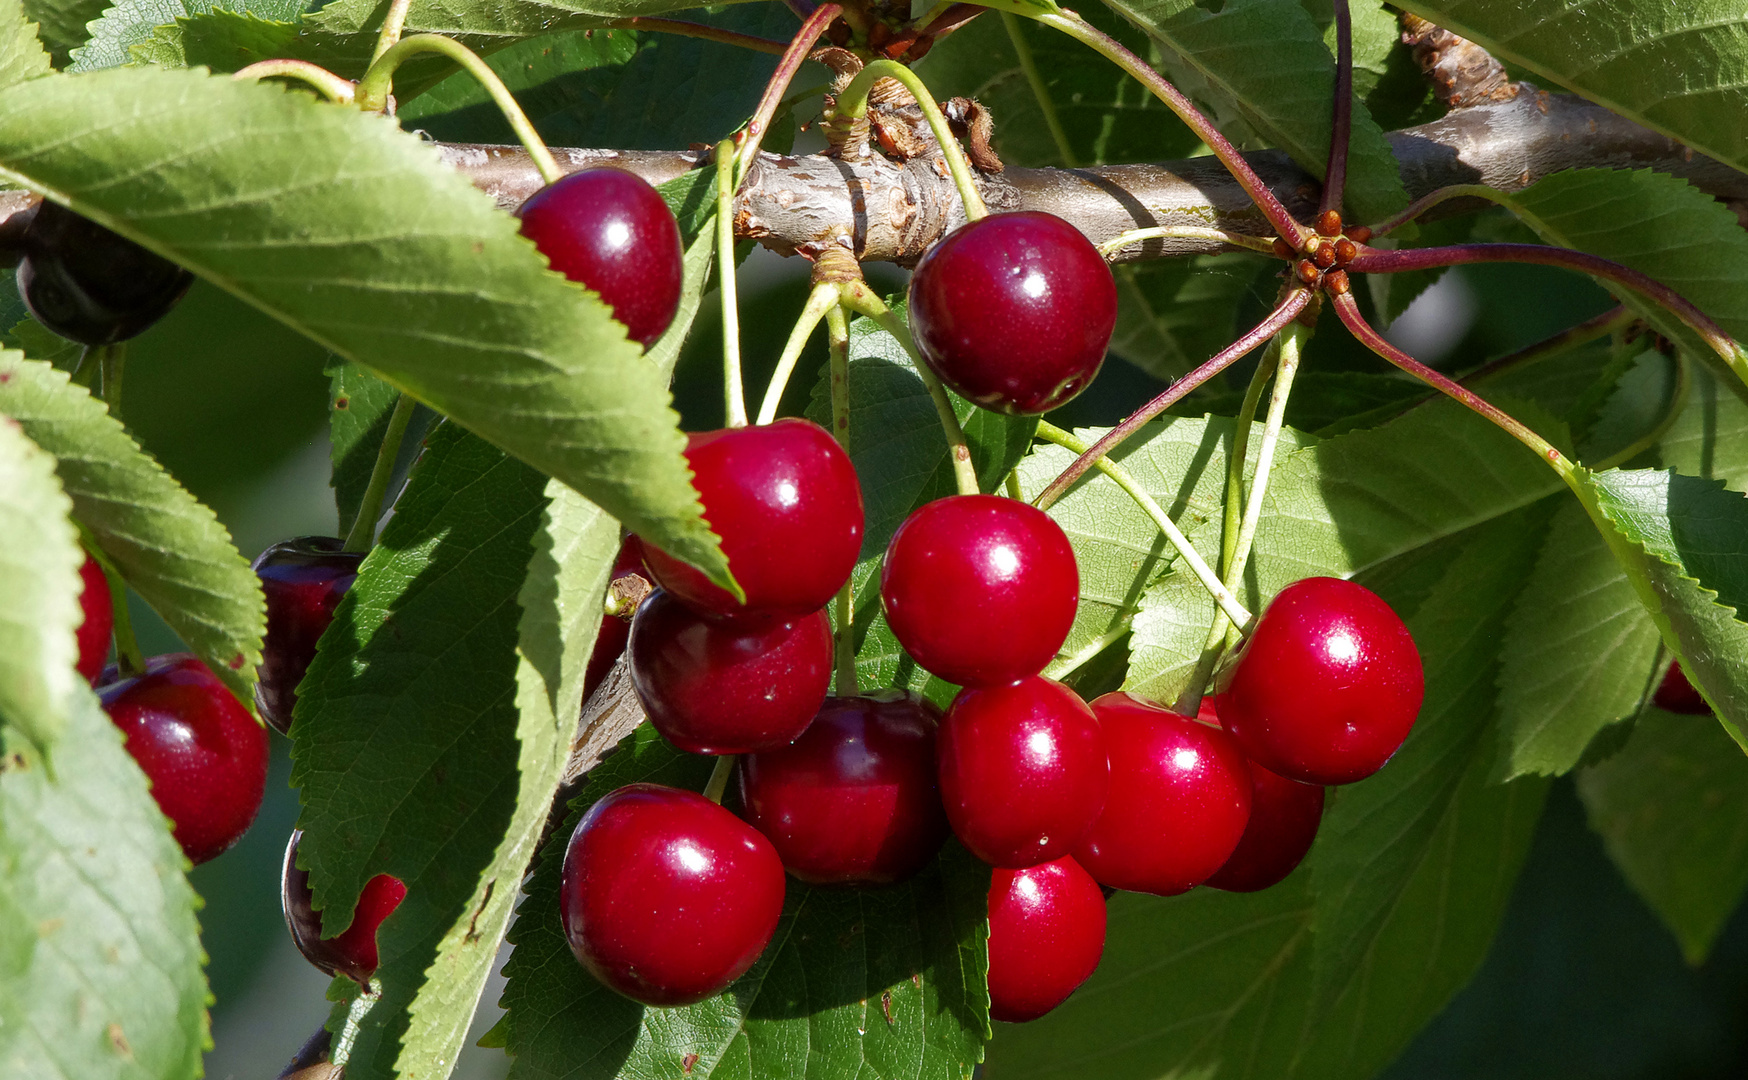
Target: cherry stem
822,299
1084,32
1035,79
837,328
373,91
129,660
681,28
1433,198
719,775
1284,313
329,85
1063,665
1233,511
362,533
1341,124
111,363
1186,232
1192,558
392,25
1589,330
853,103
733,383
794,55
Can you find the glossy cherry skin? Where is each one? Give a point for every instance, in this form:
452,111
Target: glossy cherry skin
1014,311
1284,816
853,800
99,621
303,580
1178,803
1046,935
608,230
1023,771
728,686
204,754
351,953
785,500
91,285
979,589
1675,694
666,897
1328,685
615,631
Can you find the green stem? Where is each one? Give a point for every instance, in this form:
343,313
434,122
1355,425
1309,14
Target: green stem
1013,485
794,55
837,326
1433,198
1063,666
84,371
681,28
1234,508
392,25
362,534
822,299
1029,68
1186,232
734,393
329,85
719,775
113,361
853,103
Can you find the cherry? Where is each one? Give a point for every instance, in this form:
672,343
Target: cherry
1014,311
1022,769
979,589
853,801
205,756
608,230
90,285
1179,799
666,897
785,500
1046,935
1328,685
351,953
99,621
1284,815
1675,694
303,579
615,631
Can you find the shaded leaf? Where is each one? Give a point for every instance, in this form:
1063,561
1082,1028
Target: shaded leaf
63,22
1173,314
1710,437
359,404
488,18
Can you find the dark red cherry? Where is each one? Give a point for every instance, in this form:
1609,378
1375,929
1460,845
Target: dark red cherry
979,589
666,897
728,686
1014,311
91,285
853,801
1675,694
1328,685
1179,799
615,631
1046,934
204,754
610,231
1023,770
351,953
303,580
1284,815
785,500
99,621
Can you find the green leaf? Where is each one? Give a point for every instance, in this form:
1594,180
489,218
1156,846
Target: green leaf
488,18
169,547
1672,809
39,576
359,405
21,54
129,24
100,968
352,232
887,979
1263,68
1681,69
1710,437
1173,314
1385,75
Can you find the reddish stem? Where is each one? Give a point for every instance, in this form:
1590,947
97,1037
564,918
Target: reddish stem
1335,176
681,28
793,57
1283,314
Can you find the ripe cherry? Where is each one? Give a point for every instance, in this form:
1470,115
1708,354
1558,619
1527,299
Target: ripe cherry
1328,685
853,800
94,632
1675,694
665,896
979,589
1014,311
351,953
1284,815
610,231
615,630
303,580
1179,799
785,500
91,285
1046,935
204,754
1022,770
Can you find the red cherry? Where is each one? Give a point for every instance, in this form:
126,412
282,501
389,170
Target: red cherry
1046,934
1023,770
1675,694
1284,815
615,631
666,897
728,686
853,801
1179,799
1014,311
353,952
303,580
785,500
94,632
204,754
1327,686
610,231
979,589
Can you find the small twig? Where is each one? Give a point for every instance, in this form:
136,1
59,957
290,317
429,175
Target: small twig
1335,174
853,103
1462,72
794,55
681,28
734,394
